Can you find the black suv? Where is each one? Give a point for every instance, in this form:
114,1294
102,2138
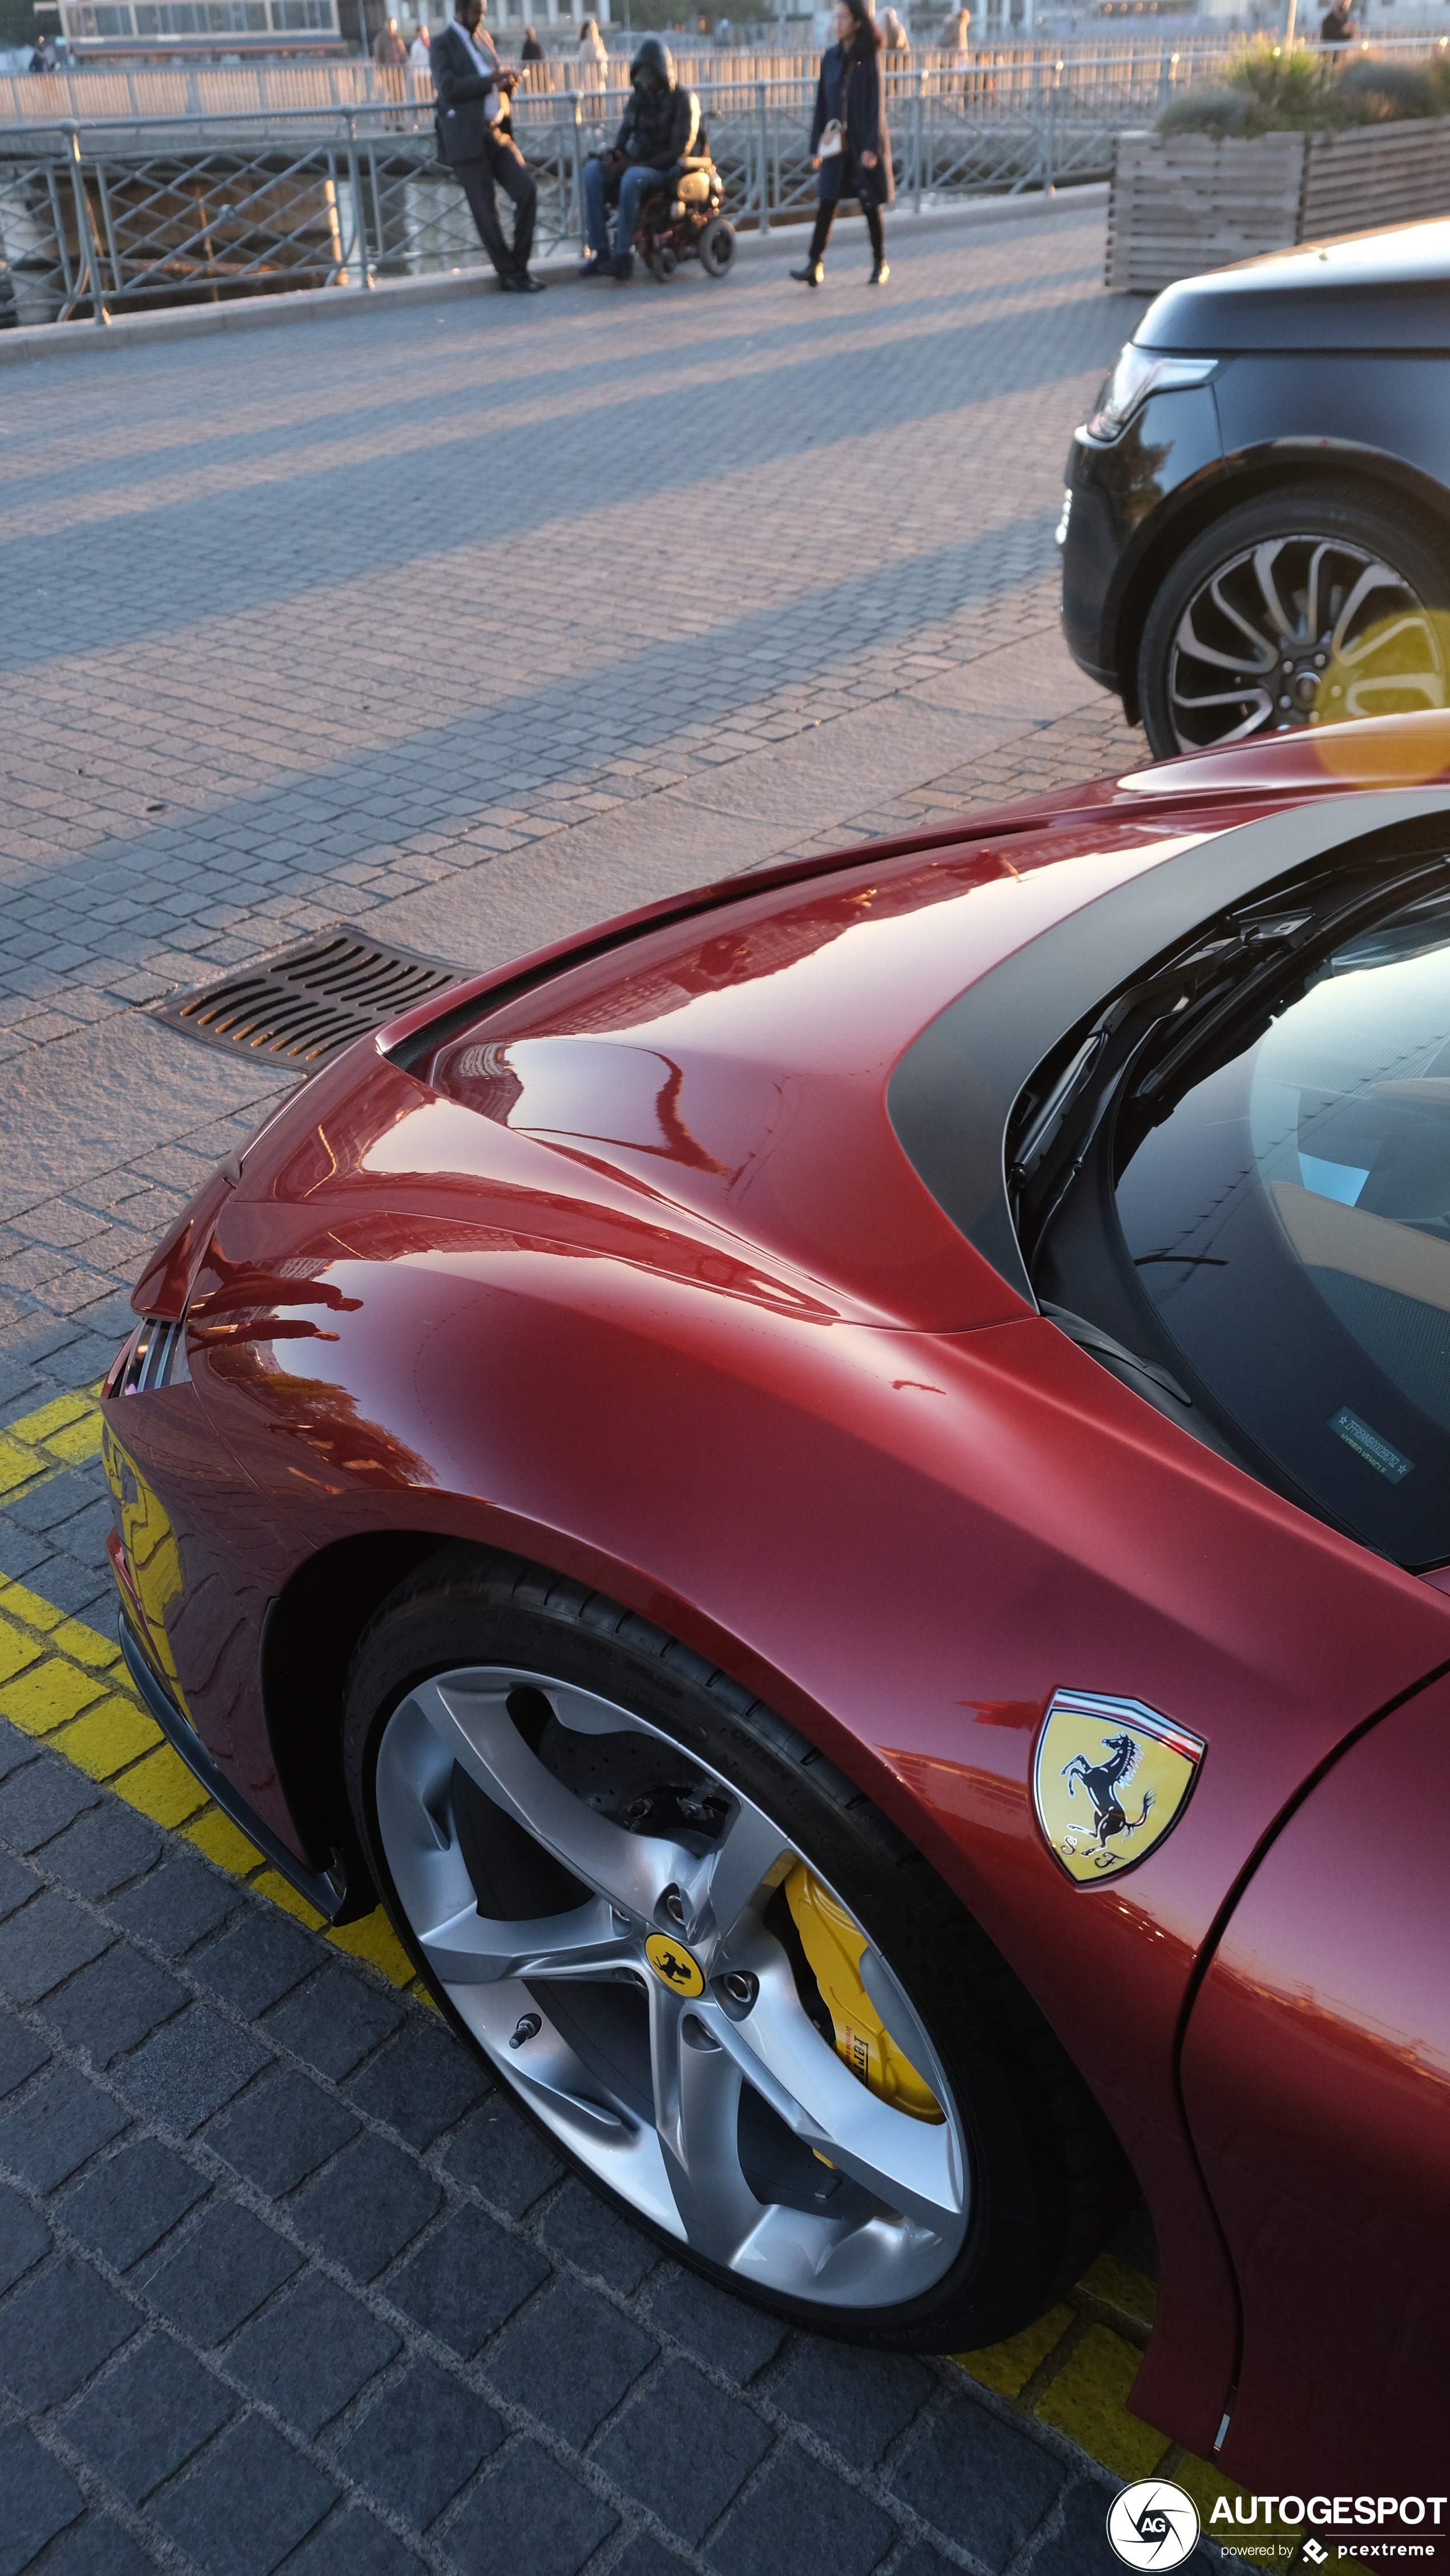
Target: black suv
1256,530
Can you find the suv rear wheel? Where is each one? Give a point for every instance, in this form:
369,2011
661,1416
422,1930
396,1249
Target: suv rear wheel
732,1995
1313,604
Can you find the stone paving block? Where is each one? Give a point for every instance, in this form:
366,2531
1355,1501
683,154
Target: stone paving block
40,1800
56,2127
580,2226
17,1884
21,2052
23,2238
16,1747
421,2085
104,1849
981,2483
569,2359
44,1943
58,2327
644,2557
113,2004
366,2207
420,2443
800,2515
128,2203
465,2280
261,1956
724,2333
190,2068
144,2419
281,2132
857,2401
220,2273
309,2355
499,2153
249,2501
176,1904
353,2543
97,2547
39,2498
333,2022
683,2448
528,2513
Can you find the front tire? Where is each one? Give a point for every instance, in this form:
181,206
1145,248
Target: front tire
1311,605
622,1877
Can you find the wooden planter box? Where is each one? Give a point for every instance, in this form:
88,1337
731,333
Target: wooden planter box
1182,203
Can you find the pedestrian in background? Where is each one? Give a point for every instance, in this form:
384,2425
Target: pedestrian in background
1339,25
476,140
389,51
850,147
531,51
419,53
956,34
894,38
591,47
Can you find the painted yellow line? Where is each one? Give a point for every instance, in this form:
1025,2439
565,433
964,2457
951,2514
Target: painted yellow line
66,1685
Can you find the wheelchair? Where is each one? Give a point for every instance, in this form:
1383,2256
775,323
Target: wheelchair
683,220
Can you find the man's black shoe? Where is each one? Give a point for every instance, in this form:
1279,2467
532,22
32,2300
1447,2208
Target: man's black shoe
523,284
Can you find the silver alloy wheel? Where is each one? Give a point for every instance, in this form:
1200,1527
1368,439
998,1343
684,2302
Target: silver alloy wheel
1301,630
712,2104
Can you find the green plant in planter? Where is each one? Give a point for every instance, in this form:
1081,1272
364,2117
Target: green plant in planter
1274,89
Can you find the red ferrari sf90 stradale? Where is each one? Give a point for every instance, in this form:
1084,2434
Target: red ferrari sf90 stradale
837,1492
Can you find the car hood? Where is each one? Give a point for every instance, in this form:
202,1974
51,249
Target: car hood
1376,290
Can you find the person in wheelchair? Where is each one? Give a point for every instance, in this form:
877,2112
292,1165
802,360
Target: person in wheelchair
656,134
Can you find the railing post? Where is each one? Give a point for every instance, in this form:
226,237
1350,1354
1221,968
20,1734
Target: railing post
359,219
576,110
764,115
919,124
85,238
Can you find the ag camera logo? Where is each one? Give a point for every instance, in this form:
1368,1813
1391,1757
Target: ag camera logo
1153,2525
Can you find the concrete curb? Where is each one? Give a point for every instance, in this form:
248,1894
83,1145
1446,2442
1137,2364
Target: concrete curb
263,312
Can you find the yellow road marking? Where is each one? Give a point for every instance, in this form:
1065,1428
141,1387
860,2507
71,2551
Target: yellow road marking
66,1685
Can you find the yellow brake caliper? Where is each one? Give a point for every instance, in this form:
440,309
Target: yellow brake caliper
833,1944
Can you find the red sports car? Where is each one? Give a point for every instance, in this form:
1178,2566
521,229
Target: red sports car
837,1491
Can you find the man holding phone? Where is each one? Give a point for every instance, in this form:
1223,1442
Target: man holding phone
476,141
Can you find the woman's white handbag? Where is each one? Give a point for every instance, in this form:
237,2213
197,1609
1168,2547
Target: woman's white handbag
832,140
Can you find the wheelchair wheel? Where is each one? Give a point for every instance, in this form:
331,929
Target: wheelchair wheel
663,264
717,246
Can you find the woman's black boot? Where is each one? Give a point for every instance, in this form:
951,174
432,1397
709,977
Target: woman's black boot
811,274
879,274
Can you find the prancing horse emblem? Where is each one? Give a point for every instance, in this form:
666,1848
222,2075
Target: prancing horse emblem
1088,1752
1102,1781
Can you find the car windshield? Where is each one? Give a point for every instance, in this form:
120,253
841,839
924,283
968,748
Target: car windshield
1290,1222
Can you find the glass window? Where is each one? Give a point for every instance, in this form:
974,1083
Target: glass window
1290,1222
303,13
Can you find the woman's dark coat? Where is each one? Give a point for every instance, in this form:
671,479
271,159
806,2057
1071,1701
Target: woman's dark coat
850,88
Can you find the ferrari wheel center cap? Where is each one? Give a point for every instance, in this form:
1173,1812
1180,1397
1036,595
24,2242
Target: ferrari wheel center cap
674,1965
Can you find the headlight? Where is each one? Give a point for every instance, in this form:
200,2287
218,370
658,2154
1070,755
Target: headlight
1138,373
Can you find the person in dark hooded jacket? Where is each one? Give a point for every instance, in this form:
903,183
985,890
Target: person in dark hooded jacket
658,129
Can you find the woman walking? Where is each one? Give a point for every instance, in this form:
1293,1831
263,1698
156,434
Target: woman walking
850,147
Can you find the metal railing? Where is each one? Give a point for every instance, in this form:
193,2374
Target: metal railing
148,211
1131,74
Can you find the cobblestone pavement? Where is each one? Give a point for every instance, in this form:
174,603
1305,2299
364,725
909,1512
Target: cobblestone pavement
474,622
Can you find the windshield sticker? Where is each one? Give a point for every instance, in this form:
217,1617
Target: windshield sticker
1368,1445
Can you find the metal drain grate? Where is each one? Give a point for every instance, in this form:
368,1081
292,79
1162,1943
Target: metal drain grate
306,1002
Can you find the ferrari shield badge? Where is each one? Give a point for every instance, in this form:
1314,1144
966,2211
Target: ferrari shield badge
674,1965
1110,1780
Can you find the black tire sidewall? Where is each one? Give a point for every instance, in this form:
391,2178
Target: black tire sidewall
1403,537
1006,2070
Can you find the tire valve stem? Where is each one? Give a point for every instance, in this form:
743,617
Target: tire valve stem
528,2026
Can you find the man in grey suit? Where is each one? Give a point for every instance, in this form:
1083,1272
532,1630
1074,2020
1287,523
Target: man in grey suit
475,139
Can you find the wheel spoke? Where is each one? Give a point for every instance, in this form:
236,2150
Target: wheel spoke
1266,559
748,1850
697,2108
911,2166
467,1949
631,1870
